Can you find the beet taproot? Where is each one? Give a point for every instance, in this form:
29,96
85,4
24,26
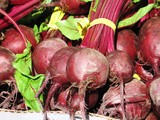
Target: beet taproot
137,101
6,67
149,41
127,41
87,69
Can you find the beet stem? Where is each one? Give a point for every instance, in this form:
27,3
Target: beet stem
18,12
82,94
43,85
50,94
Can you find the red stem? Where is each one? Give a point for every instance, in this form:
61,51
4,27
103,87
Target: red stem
52,90
101,37
19,12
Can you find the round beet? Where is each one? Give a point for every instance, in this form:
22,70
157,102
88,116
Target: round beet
127,41
87,69
121,66
154,91
14,41
121,70
43,53
149,36
57,71
137,101
74,7
88,66
6,59
57,67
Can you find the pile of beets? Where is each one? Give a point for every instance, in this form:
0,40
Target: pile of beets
122,83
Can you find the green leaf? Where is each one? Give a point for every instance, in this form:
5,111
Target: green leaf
27,85
95,5
23,61
136,1
36,33
86,0
47,1
136,17
38,29
69,28
56,16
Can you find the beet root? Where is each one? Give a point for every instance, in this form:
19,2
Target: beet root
74,7
121,66
87,69
127,41
68,101
14,41
154,91
6,67
137,101
57,71
121,70
43,53
149,36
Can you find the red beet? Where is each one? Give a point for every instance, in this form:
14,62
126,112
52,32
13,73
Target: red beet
14,41
57,67
137,101
57,71
71,6
127,41
6,68
121,66
143,73
87,69
149,36
121,70
69,101
43,53
154,91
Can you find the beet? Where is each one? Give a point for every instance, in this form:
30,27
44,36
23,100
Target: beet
121,66
43,53
14,41
6,68
145,75
74,7
137,101
127,41
121,70
57,67
69,101
149,36
154,91
87,69
57,71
